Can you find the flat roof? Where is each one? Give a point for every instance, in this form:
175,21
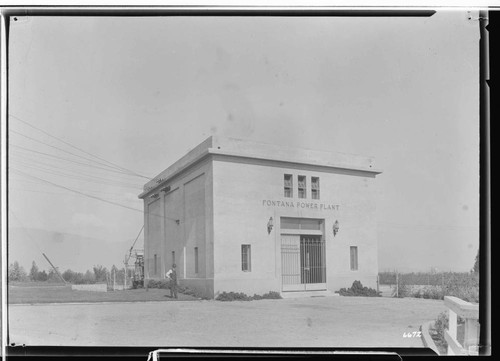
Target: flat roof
232,147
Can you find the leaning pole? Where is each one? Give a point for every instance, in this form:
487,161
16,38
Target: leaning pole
55,269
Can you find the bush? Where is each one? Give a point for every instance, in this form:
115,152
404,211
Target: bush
233,296
357,289
190,292
272,295
136,284
463,286
239,296
163,284
440,325
433,292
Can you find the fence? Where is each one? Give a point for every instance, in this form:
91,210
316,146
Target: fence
117,282
469,312
433,285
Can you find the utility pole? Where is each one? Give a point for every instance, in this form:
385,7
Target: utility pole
55,269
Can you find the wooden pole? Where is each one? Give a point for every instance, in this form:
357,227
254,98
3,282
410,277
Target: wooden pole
55,269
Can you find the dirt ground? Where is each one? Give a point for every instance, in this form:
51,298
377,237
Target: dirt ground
300,322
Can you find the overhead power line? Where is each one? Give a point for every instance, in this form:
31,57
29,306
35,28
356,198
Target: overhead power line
75,191
91,196
65,159
84,177
17,180
25,157
77,148
65,151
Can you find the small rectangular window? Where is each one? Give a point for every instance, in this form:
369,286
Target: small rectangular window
315,188
246,258
288,186
195,259
354,258
302,186
156,265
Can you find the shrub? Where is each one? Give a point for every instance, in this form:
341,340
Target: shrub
417,293
163,284
137,284
440,325
357,289
433,292
463,286
233,296
192,292
272,295
239,296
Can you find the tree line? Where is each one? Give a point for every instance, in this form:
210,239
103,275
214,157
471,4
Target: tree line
98,274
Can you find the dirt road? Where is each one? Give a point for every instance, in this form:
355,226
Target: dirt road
302,322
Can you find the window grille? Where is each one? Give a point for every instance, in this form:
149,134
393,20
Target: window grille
354,258
288,182
245,258
315,187
302,186
156,265
195,259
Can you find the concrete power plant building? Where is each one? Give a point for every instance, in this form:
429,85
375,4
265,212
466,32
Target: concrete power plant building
250,217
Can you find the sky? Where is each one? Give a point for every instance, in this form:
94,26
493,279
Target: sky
129,96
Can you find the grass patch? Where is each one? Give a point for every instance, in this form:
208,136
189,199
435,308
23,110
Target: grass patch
64,294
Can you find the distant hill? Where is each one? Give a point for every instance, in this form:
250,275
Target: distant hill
65,250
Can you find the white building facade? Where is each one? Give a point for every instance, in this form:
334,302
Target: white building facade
250,217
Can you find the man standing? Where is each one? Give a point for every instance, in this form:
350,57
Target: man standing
172,276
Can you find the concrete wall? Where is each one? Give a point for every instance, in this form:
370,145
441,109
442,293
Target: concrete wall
185,222
153,233
98,287
248,192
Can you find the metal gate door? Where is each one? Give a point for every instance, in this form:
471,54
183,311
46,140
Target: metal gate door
303,263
